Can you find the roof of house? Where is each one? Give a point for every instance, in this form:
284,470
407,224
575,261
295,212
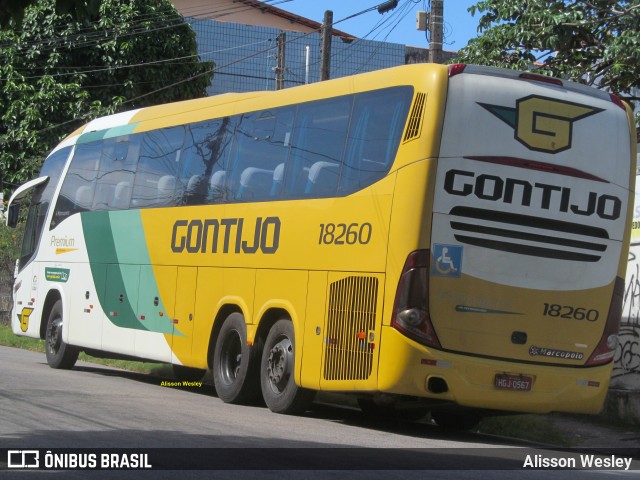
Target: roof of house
293,18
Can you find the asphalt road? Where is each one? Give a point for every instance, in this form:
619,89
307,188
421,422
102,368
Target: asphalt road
104,409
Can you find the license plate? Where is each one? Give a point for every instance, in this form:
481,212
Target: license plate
519,383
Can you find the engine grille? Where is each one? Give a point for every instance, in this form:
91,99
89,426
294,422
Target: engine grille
351,320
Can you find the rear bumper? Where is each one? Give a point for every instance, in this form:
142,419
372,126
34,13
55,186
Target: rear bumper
405,367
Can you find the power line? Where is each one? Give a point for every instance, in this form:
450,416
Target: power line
87,37
214,70
170,61
144,18
380,26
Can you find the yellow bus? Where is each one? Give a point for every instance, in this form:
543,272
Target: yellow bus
453,238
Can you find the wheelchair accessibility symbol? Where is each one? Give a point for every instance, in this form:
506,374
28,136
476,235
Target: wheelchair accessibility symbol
447,260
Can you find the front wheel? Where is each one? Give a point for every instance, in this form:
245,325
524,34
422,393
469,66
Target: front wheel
279,389
59,354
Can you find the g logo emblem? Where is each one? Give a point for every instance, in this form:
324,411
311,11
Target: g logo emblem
542,124
24,318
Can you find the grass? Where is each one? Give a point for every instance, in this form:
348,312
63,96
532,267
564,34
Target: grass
8,339
534,428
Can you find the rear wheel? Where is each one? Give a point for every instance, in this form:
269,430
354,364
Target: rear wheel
453,420
234,369
59,354
279,389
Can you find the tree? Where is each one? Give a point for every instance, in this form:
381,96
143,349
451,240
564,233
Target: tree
80,9
56,73
596,42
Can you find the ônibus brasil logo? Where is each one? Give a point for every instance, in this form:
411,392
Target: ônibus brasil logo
542,124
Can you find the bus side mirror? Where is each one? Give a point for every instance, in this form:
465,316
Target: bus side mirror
12,215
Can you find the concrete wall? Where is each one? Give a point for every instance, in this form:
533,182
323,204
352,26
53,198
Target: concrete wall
623,400
626,372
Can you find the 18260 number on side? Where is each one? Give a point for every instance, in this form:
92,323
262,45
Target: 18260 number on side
345,234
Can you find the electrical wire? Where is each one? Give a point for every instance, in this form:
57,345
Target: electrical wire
214,70
87,37
170,61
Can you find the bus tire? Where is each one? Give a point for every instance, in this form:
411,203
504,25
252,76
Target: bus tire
277,369
234,371
59,354
453,420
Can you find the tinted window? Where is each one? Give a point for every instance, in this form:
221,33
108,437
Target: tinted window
158,168
52,168
318,146
316,149
78,188
31,232
263,140
206,162
116,173
377,123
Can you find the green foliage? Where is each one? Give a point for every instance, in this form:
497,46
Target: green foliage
596,42
8,339
56,72
13,10
10,241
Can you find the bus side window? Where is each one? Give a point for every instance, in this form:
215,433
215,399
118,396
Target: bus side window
52,167
79,184
263,144
155,183
317,148
206,152
116,174
374,135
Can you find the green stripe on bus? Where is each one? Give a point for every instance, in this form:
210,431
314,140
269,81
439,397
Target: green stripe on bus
132,249
107,133
120,296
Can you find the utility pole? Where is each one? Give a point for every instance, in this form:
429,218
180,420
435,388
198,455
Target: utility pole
325,49
436,27
280,65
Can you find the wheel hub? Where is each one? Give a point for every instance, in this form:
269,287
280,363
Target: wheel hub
55,335
280,362
231,358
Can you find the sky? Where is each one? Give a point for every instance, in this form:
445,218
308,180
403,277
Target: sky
396,26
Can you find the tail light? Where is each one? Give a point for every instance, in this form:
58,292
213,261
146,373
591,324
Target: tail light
456,69
616,99
411,306
541,78
606,348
